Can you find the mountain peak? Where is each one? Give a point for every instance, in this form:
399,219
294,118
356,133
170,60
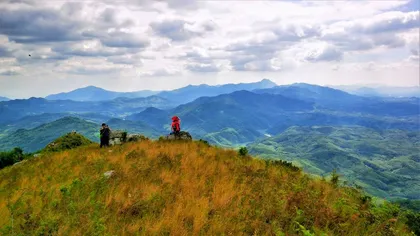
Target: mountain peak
152,109
3,99
34,99
305,85
266,83
89,93
91,87
93,93
66,120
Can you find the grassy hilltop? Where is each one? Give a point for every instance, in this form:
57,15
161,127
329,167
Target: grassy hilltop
180,188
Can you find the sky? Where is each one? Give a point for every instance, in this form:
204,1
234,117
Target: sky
53,46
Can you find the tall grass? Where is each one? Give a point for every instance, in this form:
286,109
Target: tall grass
179,188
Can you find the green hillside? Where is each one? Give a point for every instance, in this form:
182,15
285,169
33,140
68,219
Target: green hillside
335,118
29,122
181,188
31,140
230,137
33,121
385,163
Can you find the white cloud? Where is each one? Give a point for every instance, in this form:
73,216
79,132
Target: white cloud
203,68
180,30
161,72
10,71
324,53
134,60
386,22
414,58
125,40
89,66
141,44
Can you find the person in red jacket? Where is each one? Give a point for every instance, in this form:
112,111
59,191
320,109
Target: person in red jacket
176,125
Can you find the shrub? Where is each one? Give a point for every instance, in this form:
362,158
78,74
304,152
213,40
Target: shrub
335,178
11,157
68,141
408,204
243,151
413,221
136,138
124,136
204,142
286,164
365,199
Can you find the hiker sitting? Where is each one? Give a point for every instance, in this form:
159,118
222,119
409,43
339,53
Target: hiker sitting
104,134
176,126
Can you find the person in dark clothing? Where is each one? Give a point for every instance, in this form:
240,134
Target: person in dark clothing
104,134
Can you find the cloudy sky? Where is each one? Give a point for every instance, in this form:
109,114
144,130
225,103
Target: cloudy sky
128,45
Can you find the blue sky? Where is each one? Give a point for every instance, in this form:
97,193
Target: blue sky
412,5
141,44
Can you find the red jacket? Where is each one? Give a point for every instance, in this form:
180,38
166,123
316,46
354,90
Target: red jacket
175,124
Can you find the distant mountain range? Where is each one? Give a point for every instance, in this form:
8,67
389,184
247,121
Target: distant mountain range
2,99
381,91
92,93
337,100
238,110
119,107
33,121
192,92
231,119
325,96
268,114
179,96
266,111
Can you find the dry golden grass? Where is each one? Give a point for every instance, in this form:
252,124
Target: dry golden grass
178,188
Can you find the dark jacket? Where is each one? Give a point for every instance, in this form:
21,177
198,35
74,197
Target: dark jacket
104,132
